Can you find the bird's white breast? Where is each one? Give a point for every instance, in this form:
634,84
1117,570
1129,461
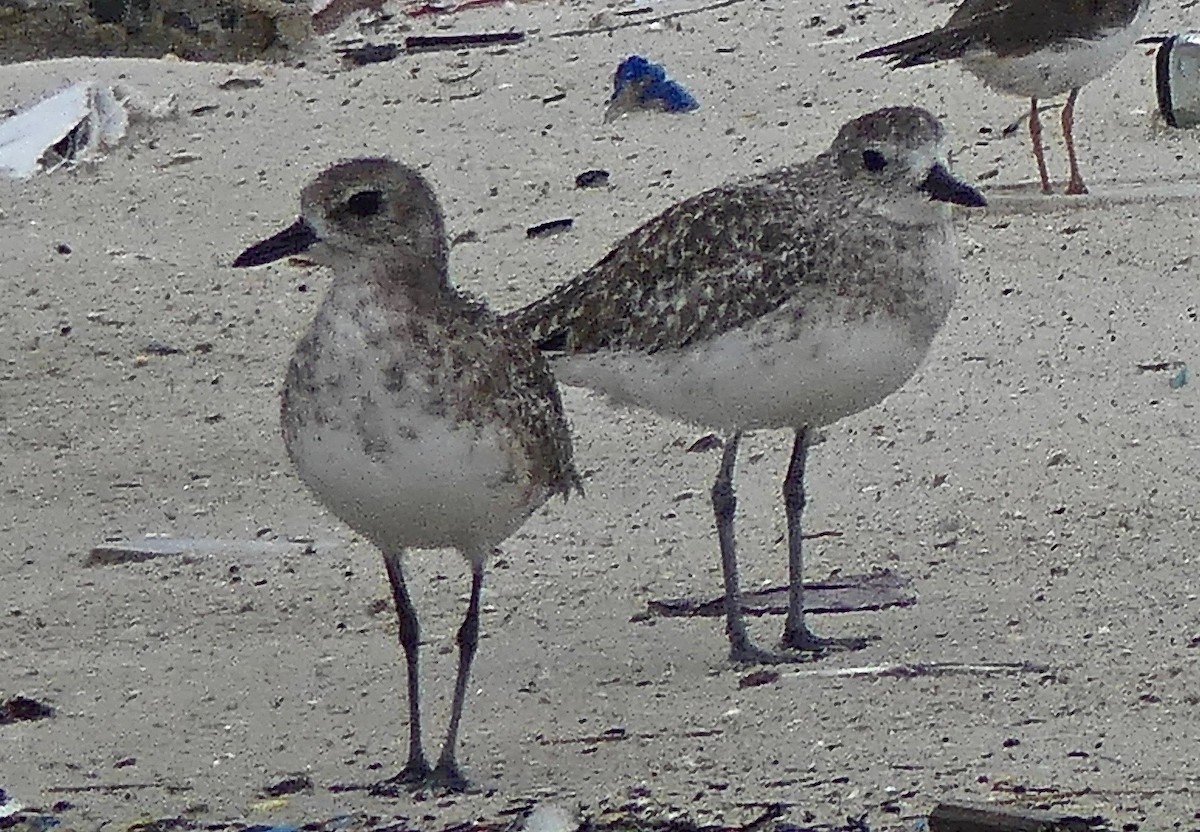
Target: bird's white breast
770,375
391,463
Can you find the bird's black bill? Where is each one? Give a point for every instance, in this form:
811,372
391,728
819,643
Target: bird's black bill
942,185
295,239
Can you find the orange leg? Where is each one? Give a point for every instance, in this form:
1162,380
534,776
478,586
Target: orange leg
1076,185
1035,136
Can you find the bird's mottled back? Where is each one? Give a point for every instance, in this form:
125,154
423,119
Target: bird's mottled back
680,277
735,253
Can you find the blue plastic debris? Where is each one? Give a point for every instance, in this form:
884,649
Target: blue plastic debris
1180,378
641,84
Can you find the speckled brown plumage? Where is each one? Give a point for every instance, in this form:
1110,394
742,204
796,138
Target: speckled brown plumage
735,253
786,300
413,413
500,382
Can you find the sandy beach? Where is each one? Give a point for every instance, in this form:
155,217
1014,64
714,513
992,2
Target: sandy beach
1035,483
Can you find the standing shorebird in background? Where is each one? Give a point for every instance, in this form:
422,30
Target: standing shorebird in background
412,413
787,300
1031,48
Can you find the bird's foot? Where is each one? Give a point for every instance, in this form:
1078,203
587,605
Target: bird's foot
747,652
447,778
414,774
1076,188
805,641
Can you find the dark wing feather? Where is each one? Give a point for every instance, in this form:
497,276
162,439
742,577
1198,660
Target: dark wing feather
1011,28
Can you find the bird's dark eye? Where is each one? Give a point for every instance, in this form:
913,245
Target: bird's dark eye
365,203
874,161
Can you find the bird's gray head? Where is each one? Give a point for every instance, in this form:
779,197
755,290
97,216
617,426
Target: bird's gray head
896,160
359,212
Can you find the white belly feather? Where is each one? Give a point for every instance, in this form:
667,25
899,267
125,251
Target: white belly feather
756,378
393,466
1051,72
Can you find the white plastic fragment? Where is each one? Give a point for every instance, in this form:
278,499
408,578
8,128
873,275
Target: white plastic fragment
550,817
73,124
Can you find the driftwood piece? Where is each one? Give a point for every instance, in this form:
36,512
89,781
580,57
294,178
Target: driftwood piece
433,43
985,817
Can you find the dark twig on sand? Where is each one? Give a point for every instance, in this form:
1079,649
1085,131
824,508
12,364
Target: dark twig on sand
574,33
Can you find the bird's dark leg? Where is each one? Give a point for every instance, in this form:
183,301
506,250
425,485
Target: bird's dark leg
796,635
1075,185
724,501
447,774
416,769
1039,153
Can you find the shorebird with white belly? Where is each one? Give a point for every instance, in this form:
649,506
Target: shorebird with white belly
787,300
1032,48
411,412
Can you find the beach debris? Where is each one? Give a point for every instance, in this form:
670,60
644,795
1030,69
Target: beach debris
8,806
1180,378
550,817
151,548
915,669
592,179
77,123
434,43
758,678
238,82
1177,77
289,785
986,817
706,443
545,229
1159,366
156,347
601,23
641,84
370,54
850,593
373,53
1180,375
23,709
422,9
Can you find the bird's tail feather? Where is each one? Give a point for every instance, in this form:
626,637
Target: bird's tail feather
931,47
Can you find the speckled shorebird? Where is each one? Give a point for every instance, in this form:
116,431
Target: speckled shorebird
409,409
787,300
1031,48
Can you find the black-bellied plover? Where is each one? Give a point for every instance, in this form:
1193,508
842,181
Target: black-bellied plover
787,300
413,413
1032,48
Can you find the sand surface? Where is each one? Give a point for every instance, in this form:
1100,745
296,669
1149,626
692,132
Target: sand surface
1039,489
